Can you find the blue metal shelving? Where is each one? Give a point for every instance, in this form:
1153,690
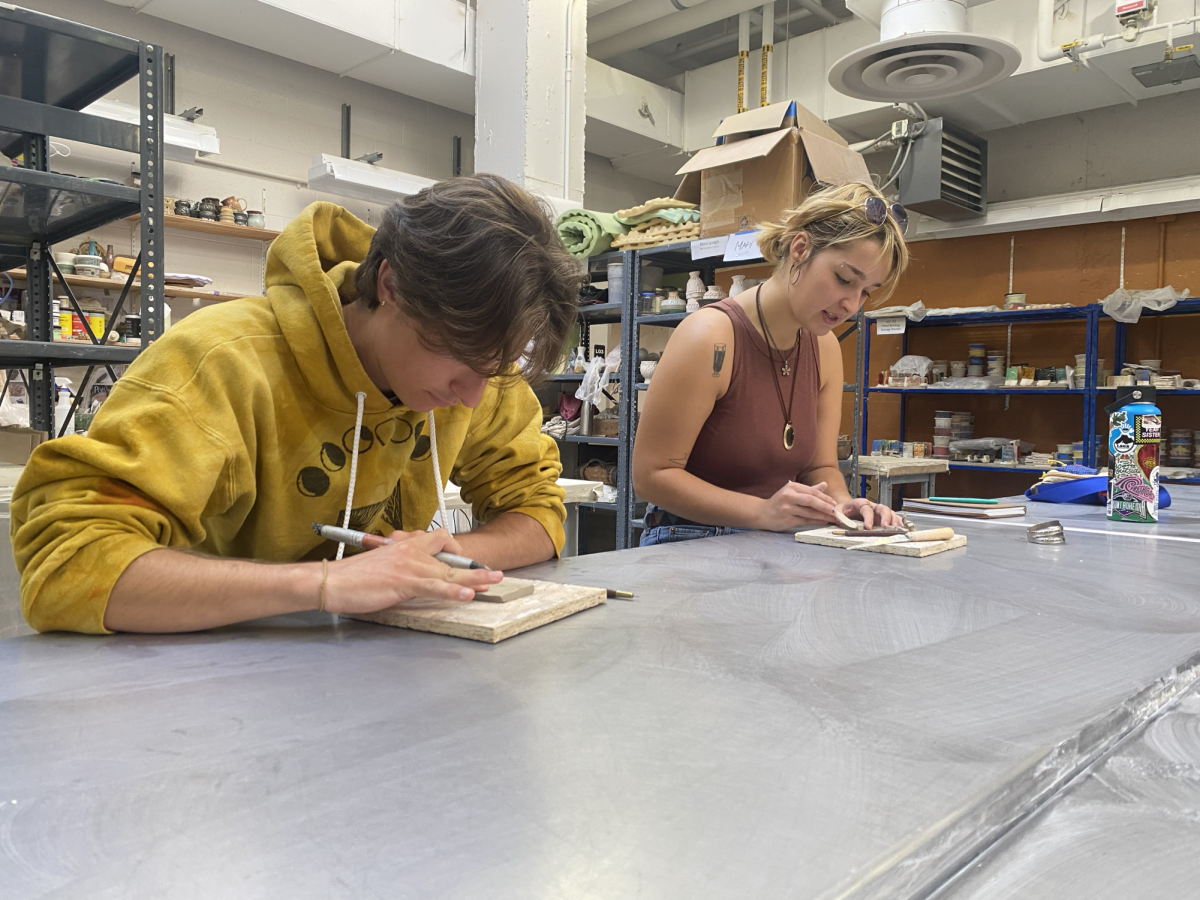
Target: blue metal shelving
1089,315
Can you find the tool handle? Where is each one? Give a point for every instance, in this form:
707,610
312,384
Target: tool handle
933,534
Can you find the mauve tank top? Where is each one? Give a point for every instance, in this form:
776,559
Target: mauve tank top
740,448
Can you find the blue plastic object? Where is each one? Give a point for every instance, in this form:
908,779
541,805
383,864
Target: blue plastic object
1090,491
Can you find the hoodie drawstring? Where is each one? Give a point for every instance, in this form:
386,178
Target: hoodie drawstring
437,472
362,398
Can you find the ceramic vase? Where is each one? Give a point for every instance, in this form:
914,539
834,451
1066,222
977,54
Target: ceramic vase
739,285
673,302
712,295
695,287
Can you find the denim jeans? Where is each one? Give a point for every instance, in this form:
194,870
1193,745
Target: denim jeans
672,534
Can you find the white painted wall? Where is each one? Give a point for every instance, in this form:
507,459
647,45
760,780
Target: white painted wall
272,114
1099,148
609,190
420,47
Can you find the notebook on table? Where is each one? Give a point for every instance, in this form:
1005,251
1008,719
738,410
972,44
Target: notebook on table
964,510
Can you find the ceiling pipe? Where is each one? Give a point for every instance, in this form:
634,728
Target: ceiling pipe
670,26
568,61
814,7
768,44
1046,49
743,55
600,7
722,39
633,15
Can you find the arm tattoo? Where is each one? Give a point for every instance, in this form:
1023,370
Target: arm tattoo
679,462
718,359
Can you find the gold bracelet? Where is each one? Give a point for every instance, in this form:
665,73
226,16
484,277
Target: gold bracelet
321,592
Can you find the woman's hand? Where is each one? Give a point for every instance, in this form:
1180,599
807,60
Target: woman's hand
377,579
872,514
796,505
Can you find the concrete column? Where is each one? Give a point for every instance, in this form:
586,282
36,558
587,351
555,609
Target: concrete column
530,60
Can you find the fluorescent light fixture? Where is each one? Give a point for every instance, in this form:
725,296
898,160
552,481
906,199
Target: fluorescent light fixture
362,181
182,139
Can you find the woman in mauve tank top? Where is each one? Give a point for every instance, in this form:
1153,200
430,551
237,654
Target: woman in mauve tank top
738,430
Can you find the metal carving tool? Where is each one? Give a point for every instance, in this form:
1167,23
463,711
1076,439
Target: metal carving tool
373,541
931,535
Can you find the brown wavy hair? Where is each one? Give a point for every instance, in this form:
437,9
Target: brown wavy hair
477,264
832,216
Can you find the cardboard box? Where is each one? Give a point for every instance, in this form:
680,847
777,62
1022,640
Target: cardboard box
17,443
766,160
605,427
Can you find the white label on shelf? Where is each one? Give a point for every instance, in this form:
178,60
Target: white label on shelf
743,245
891,325
709,247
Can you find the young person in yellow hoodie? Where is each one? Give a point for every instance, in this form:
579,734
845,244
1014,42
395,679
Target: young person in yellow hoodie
189,503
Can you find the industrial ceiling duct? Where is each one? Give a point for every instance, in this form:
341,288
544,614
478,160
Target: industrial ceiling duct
925,53
946,173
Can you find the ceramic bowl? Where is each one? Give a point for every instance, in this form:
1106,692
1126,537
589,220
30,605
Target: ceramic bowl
90,271
88,259
647,368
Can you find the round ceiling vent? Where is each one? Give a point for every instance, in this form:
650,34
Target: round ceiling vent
926,66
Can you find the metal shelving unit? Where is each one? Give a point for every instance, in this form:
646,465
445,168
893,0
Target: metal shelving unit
611,313
1089,315
52,69
1182,308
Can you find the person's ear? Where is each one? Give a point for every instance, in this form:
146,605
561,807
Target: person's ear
383,283
800,245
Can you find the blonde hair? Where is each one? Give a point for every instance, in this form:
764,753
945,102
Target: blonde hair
832,216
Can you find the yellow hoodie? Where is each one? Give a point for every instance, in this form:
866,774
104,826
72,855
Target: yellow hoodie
234,432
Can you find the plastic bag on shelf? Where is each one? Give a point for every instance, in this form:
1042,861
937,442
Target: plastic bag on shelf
986,383
914,313
912,365
1127,306
988,445
14,410
596,378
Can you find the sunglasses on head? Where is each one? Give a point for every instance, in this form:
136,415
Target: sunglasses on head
876,211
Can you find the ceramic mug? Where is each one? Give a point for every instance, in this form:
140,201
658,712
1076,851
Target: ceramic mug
235,203
255,219
240,218
183,207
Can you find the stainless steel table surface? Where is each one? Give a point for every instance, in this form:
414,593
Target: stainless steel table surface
766,719
1128,829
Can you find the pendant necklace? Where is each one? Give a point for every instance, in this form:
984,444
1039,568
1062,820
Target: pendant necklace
789,433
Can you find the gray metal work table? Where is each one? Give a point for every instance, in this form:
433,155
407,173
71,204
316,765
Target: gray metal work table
767,719
1130,828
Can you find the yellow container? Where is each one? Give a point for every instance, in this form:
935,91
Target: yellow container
96,325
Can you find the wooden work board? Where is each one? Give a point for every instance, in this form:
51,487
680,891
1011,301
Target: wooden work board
896,546
490,622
